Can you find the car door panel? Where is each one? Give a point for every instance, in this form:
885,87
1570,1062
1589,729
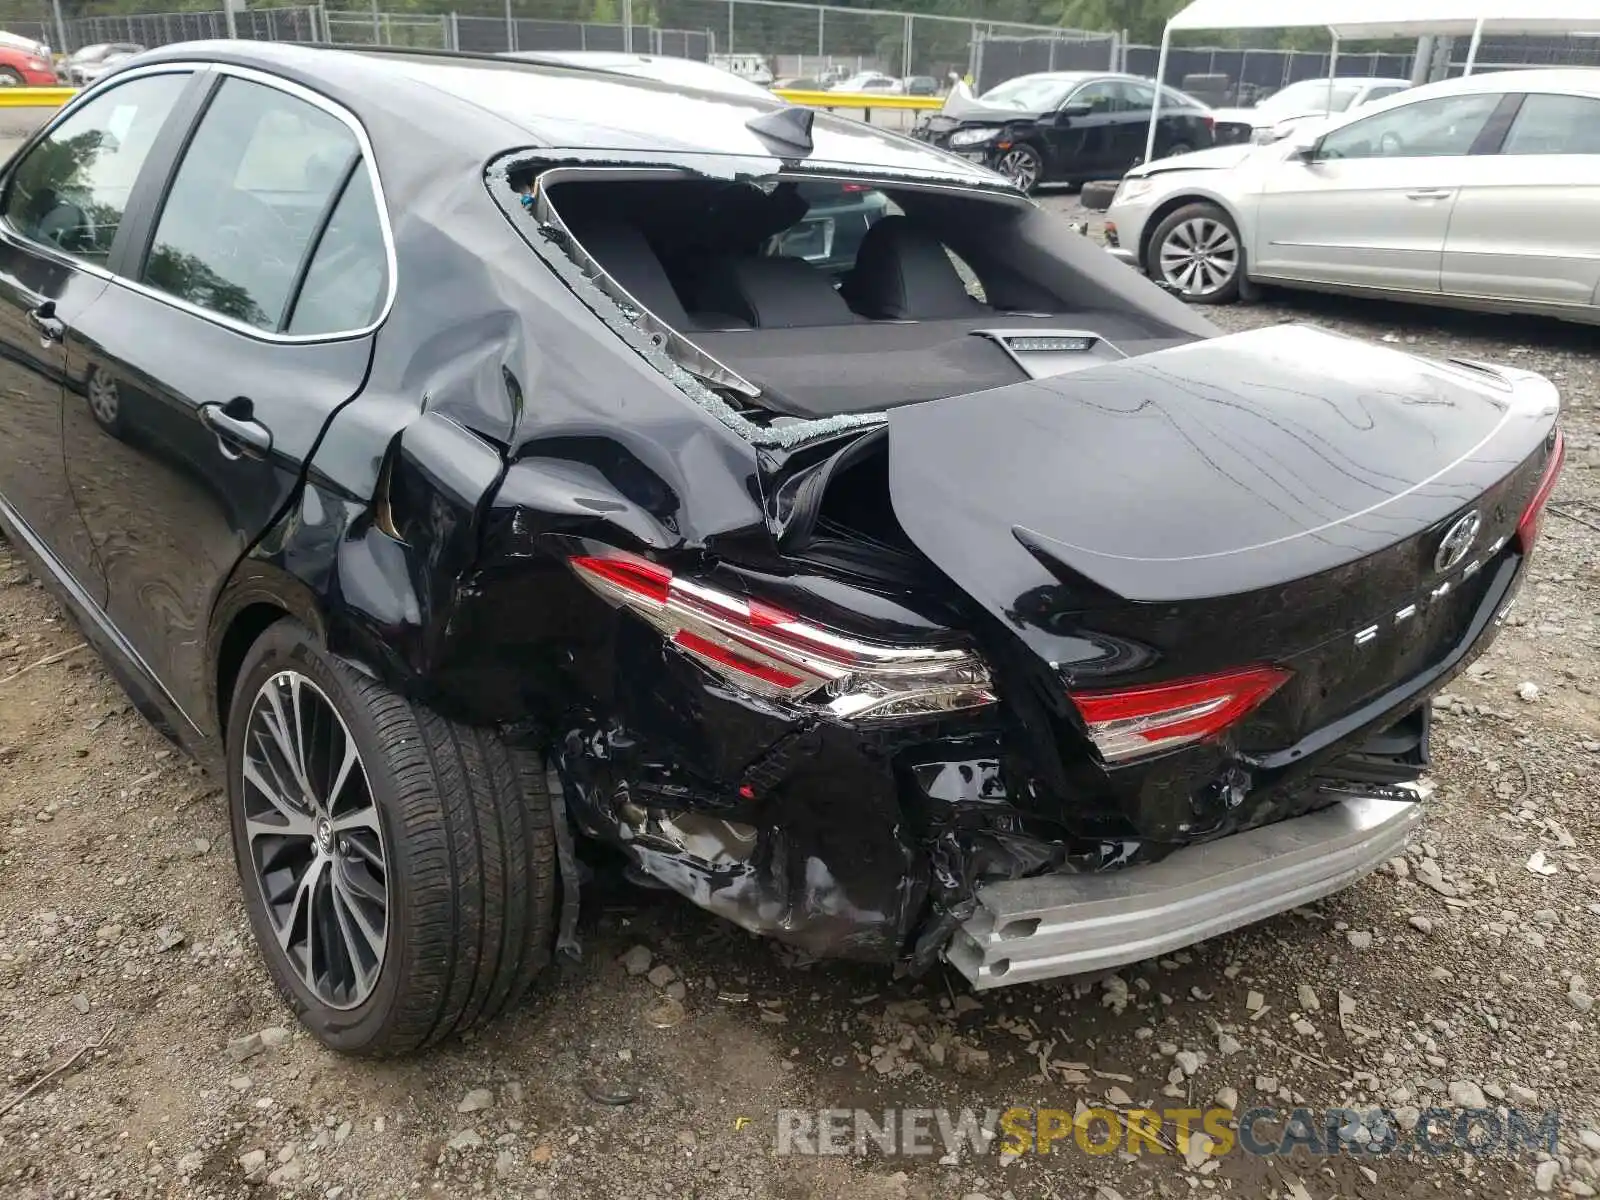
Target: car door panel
1371,205
1367,223
224,346
1082,144
1525,230
67,196
171,504
34,373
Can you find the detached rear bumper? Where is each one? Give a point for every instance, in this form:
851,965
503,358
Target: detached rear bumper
1028,929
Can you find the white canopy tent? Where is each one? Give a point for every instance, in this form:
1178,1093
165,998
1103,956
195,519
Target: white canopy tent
1349,20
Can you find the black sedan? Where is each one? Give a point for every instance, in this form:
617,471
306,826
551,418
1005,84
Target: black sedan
1065,127
446,452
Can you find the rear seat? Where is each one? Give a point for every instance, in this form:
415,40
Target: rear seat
772,292
625,254
902,273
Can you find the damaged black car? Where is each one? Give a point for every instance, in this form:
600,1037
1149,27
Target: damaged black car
1066,127
467,460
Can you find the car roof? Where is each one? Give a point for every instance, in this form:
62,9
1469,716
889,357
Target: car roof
1059,77
488,104
1383,80
667,68
1578,81
1088,77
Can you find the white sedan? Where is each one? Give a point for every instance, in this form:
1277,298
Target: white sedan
1310,99
1477,193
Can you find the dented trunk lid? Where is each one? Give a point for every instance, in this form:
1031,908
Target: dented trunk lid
1262,496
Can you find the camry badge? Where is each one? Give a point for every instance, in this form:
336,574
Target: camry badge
1457,542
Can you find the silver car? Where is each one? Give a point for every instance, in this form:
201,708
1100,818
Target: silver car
1310,99
1480,192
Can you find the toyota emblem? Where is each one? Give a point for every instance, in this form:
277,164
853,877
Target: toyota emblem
1457,542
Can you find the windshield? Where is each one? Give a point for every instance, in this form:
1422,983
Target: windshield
1031,93
1310,95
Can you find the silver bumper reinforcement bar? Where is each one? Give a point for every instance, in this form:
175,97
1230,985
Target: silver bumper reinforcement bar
1028,929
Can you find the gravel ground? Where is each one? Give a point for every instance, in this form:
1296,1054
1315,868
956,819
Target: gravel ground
1455,976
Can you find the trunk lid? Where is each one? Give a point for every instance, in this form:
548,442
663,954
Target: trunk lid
1259,497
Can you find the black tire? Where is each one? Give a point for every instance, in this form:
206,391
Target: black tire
1023,165
1177,148
1199,211
469,850
1096,195
10,77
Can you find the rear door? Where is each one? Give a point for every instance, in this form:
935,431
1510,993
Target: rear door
1372,208
60,221
240,319
1524,228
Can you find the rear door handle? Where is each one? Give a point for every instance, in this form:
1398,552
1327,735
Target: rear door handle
1429,194
45,322
238,432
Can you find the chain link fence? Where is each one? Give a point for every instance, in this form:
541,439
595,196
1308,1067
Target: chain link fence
776,37
783,38
161,29
1256,72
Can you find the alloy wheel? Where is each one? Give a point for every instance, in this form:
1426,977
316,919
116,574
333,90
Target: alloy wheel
1021,166
315,840
1199,256
103,399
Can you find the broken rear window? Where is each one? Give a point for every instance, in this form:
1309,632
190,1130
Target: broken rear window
805,299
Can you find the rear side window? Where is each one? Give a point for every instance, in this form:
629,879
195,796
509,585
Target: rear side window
1435,128
1137,96
348,277
71,189
259,179
1548,124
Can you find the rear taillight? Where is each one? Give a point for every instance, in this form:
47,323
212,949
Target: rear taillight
1132,722
773,653
1528,527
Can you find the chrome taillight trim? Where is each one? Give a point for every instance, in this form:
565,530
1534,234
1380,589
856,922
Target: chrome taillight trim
849,678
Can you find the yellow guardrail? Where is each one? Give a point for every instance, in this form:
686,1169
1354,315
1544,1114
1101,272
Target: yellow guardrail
35,97
55,97
858,99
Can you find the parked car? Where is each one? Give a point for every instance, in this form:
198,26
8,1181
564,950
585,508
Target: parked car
85,65
1066,128
1309,99
18,42
1473,193
747,66
24,64
436,447
922,85
869,81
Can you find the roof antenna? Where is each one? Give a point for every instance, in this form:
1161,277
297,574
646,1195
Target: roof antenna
788,129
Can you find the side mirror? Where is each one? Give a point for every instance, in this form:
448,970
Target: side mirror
1308,153
1073,110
